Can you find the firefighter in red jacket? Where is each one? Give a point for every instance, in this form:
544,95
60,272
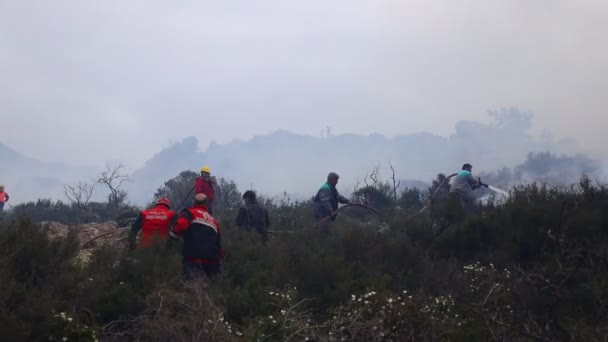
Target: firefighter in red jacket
205,184
154,223
202,251
3,198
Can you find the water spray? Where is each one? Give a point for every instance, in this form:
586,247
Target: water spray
499,191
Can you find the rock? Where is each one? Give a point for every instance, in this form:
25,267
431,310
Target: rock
87,234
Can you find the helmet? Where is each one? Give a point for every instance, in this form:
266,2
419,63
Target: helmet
164,201
206,169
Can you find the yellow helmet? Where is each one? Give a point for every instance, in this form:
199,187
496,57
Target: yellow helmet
206,169
1,186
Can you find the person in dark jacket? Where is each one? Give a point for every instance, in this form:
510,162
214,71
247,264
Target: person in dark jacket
326,202
202,252
154,223
205,184
252,216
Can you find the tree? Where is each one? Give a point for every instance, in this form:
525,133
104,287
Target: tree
411,199
439,192
227,196
374,176
376,192
79,194
441,184
396,183
379,197
178,189
114,178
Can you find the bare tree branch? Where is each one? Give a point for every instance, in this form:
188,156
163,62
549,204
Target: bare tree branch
396,183
113,178
375,176
356,186
79,194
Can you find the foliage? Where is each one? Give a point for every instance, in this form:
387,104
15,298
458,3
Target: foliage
58,211
38,279
379,196
184,313
530,267
178,189
228,198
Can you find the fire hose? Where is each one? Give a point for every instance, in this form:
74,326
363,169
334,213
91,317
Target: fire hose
325,219
121,229
184,200
432,197
102,235
436,192
318,224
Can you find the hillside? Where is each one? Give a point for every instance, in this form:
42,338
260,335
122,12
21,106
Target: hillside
27,178
285,162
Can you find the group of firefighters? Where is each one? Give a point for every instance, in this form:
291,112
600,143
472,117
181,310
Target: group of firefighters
202,249
201,234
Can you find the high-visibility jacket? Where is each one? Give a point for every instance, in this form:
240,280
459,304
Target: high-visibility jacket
4,197
202,235
202,186
154,223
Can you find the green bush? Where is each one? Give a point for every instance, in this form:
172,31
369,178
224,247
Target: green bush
531,268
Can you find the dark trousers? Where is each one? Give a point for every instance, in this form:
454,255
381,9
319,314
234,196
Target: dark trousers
324,220
193,270
260,230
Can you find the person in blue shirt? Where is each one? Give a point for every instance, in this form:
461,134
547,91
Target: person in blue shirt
462,187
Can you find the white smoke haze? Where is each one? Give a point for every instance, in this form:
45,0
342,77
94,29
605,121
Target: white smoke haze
84,83
503,152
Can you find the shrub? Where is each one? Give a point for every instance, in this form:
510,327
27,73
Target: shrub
530,268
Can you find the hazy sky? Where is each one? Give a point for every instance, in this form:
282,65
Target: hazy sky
86,81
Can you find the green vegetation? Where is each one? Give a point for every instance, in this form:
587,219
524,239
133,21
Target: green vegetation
533,267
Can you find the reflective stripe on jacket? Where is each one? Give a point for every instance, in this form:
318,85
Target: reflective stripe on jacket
201,233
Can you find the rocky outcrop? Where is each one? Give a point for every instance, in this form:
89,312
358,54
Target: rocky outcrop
90,235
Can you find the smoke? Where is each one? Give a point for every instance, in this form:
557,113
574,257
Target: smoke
504,151
282,161
547,167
